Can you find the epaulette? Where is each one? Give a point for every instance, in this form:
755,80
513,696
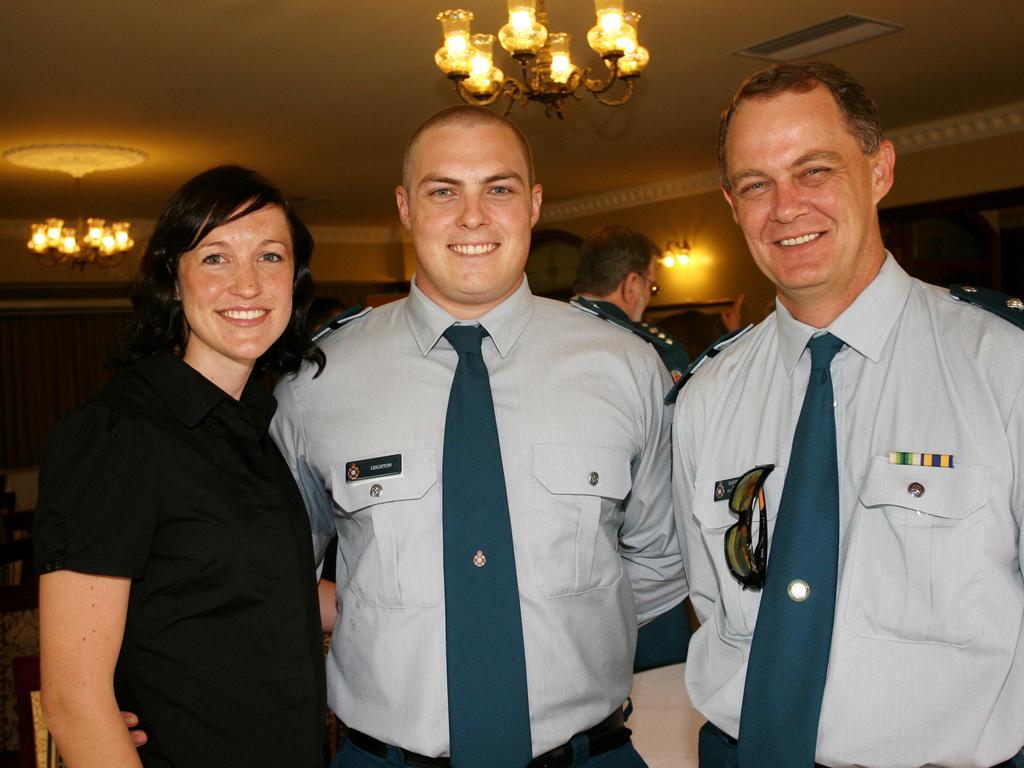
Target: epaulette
1007,307
673,354
723,341
335,323
645,331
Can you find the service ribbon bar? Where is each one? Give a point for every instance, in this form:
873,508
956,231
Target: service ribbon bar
944,460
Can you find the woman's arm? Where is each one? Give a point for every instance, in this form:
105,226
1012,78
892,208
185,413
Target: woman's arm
81,625
326,592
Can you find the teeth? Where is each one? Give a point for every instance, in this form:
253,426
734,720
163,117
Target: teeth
473,250
800,240
244,314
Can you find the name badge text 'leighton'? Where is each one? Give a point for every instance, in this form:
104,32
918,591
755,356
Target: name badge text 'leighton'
381,466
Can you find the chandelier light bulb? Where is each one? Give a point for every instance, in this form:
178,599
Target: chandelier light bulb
122,235
610,22
561,62
68,241
454,57
521,21
482,57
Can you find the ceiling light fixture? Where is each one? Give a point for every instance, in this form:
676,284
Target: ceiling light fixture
94,243
548,74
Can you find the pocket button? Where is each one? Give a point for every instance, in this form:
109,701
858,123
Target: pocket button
916,490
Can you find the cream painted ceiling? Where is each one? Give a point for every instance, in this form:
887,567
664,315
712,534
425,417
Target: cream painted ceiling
321,94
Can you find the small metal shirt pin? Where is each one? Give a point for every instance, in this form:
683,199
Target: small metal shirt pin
376,490
798,590
479,559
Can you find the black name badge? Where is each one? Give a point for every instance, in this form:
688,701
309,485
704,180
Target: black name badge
382,466
724,488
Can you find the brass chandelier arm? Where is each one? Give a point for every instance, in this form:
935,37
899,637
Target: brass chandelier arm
620,100
511,89
597,87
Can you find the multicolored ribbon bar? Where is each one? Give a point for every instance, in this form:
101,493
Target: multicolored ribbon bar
944,460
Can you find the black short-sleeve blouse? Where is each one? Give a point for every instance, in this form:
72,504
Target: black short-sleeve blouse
165,479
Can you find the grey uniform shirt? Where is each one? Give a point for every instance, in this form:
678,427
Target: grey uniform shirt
585,448
927,658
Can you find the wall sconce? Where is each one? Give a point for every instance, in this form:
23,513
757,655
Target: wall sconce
676,254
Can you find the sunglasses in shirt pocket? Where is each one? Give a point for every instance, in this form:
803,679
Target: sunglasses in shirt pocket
738,610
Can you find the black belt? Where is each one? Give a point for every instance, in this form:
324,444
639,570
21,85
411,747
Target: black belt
607,735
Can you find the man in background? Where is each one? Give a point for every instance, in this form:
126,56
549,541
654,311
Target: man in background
617,278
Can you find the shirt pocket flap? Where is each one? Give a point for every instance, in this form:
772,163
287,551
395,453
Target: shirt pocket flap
583,470
712,515
419,475
954,493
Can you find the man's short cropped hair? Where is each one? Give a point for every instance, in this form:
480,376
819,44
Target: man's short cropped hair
854,102
608,256
466,114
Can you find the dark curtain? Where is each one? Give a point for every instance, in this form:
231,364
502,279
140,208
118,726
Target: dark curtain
48,364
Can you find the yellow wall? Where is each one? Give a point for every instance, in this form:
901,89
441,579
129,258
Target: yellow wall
364,262
958,170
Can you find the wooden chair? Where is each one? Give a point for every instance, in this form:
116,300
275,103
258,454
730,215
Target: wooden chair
36,748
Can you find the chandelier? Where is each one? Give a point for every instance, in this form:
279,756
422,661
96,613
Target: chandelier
548,73
89,241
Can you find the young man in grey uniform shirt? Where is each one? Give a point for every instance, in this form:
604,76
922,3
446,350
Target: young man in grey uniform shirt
927,652
584,445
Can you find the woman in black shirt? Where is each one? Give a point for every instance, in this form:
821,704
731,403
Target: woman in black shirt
175,550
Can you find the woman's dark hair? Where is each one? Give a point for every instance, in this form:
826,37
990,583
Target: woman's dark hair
213,198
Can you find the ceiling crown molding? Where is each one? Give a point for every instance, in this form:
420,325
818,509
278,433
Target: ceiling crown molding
989,123
631,197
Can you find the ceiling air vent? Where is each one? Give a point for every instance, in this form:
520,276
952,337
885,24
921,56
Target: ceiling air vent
826,36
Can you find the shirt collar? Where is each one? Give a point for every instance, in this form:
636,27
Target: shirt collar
864,326
504,323
191,397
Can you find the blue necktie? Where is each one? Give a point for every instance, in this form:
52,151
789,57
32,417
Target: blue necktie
488,711
789,652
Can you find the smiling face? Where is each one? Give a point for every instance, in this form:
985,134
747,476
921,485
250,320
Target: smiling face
235,289
805,196
469,204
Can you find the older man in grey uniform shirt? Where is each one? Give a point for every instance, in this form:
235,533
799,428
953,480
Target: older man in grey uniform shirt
584,444
927,651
